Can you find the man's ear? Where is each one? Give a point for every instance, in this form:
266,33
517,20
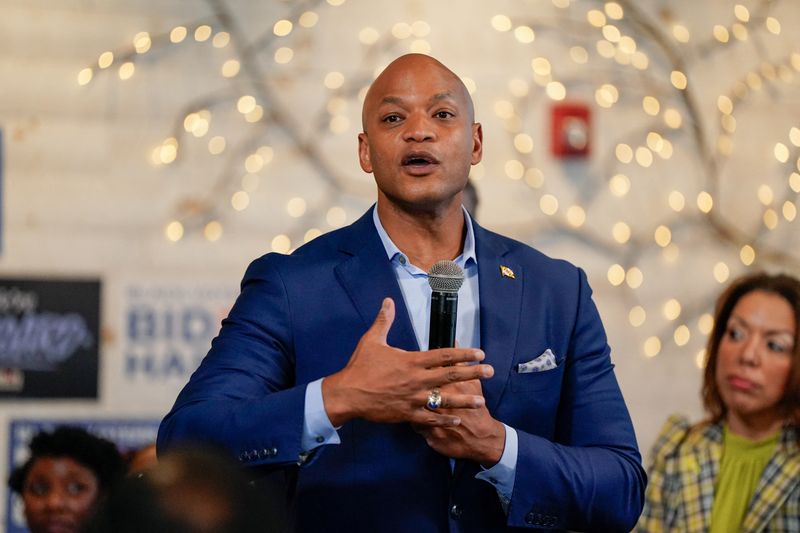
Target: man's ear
363,153
477,143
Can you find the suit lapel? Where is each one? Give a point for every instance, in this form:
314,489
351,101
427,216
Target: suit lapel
780,477
500,307
367,276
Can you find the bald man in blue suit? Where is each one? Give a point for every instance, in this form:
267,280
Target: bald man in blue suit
322,367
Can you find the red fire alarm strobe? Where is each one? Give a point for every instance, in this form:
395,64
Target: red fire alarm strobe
571,129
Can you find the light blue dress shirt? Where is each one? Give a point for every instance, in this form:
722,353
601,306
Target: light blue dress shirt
317,428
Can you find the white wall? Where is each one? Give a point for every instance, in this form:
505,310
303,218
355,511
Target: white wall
82,197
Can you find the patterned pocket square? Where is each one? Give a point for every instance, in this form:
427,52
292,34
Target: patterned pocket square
546,361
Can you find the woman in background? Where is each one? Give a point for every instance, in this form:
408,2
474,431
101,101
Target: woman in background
65,479
740,469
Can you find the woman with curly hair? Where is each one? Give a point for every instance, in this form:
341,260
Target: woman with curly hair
739,470
68,474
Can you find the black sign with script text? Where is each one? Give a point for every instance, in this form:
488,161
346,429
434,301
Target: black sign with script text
49,338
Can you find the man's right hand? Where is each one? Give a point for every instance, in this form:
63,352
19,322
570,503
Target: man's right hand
385,384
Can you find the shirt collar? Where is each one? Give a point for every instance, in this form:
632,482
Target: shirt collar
392,251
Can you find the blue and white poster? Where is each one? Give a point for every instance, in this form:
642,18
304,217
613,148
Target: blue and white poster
169,327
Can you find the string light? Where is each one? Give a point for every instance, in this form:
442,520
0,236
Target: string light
282,28
619,185
652,346
174,231
308,19
621,232
202,33
105,60
681,33
336,217
576,216
283,55
548,204
501,23
311,234
524,34
721,33
126,70
672,309
368,35
637,316
616,275
700,359
651,105
634,278
221,39
705,323
240,200
212,231
705,202
721,272
747,255
681,335
142,42
281,244
178,34
85,76
523,143
663,236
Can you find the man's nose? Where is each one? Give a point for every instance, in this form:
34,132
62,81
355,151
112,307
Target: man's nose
419,128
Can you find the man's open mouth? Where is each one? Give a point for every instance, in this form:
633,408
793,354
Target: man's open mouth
419,159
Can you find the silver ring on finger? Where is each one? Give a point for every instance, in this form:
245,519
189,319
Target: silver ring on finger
434,400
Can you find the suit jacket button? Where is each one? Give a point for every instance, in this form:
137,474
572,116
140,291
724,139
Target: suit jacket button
273,452
529,518
456,511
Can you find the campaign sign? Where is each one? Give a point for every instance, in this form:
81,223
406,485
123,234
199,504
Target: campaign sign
169,328
128,435
49,338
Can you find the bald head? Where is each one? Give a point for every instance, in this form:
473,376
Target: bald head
401,74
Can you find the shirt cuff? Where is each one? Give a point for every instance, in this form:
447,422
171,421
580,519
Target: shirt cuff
317,427
503,474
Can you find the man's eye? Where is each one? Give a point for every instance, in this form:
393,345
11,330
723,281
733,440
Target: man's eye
443,114
391,119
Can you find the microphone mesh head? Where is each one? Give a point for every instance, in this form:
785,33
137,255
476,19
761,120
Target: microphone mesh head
445,276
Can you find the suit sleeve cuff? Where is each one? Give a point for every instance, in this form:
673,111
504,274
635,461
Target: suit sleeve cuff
503,474
317,427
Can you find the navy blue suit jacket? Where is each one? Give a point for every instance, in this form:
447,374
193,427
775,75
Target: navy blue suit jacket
299,318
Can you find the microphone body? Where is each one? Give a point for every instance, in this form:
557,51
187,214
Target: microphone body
444,311
445,278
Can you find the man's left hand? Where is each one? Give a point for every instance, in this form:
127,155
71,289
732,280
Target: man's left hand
479,437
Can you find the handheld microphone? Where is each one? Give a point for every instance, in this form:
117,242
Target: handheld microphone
445,278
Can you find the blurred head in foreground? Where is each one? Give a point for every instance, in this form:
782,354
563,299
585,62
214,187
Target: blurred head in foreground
187,491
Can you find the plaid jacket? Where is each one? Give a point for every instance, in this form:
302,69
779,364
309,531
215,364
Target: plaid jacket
683,466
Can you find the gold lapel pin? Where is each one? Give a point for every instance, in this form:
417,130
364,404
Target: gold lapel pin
507,272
